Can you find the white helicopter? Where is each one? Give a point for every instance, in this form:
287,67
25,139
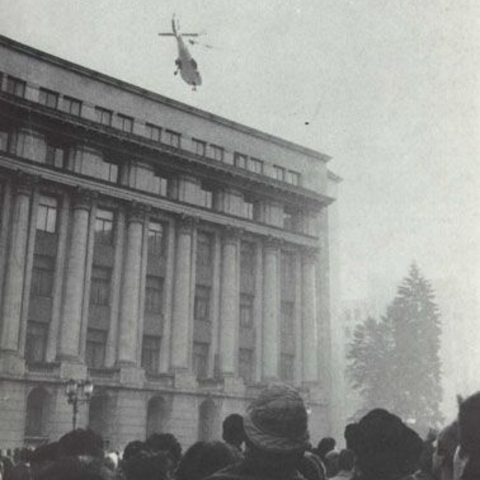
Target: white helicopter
185,63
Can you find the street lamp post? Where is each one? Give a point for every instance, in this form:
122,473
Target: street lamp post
78,392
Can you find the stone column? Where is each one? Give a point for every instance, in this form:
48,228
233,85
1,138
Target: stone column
182,318
75,278
229,304
130,299
15,265
111,351
63,219
271,311
309,317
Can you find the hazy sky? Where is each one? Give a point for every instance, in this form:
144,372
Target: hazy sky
390,89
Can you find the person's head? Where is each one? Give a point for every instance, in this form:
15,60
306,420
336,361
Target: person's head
324,446
469,437
331,463
147,466
425,462
385,447
232,430
133,448
80,442
165,442
75,468
346,460
276,426
310,467
442,457
349,435
203,459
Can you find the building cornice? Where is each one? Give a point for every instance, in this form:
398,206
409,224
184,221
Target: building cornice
175,207
205,165
156,97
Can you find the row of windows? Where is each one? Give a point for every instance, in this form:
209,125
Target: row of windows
85,162
96,346
125,123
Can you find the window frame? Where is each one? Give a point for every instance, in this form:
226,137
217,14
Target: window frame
151,129
200,147
14,84
70,104
103,113
49,205
48,98
125,121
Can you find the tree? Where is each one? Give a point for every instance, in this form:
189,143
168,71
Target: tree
370,357
415,322
394,362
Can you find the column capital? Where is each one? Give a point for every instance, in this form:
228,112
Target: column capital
185,223
83,199
309,254
24,184
231,234
272,243
136,212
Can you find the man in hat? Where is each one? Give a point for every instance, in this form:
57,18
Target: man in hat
276,437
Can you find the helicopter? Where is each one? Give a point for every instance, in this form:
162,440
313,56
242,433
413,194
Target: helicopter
185,63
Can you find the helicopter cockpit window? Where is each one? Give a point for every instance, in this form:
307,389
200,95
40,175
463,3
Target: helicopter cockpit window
194,63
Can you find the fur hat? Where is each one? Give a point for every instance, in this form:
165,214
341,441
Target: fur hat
277,420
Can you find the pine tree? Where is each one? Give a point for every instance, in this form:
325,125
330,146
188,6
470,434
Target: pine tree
394,362
370,355
416,330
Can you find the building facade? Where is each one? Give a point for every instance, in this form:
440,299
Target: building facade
177,259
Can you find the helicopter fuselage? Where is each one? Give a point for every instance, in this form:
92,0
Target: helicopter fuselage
186,64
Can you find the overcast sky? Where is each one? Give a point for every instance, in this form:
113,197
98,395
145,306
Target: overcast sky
390,89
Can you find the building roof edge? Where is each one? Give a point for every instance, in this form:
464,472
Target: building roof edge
160,98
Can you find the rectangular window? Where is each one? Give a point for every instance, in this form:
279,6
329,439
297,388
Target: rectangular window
287,363
293,178
287,328
72,106
153,132
245,364
15,86
216,152
153,295
126,123
103,116
100,286
48,98
95,348
287,270
279,173
240,160
246,311
43,272
202,304
156,239
160,185
255,165
288,220
200,359
47,214
109,172
204,250
55,156
206,197
36,342
3,140
172,138
247,258
150,353
199,147
248,207
104,227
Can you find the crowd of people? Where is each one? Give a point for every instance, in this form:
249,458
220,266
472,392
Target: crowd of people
271,441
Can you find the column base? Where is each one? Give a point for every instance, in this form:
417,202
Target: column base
234,385
11,363
73,368
185,380
130,374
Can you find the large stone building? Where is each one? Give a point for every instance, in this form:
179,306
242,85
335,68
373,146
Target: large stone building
177,259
